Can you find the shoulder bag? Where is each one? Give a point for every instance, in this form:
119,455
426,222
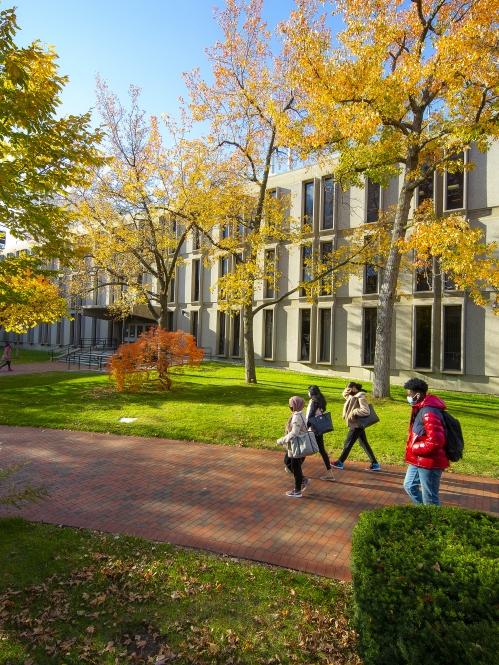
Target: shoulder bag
371,419
321,424
303,445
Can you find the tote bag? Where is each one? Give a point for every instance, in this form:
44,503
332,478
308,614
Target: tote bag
322,424
371,419
303,445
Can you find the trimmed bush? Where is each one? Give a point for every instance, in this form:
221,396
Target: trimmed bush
426,586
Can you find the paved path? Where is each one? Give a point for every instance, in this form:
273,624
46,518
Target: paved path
227,500
41,368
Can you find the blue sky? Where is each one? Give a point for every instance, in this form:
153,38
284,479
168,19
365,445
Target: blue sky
145,42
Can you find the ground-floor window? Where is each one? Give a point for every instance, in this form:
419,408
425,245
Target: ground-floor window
195,325
304,334
422,337
269,329
452,337
324,335
221,333
236,335
370,319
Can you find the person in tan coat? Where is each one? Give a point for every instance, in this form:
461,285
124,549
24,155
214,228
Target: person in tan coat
356,406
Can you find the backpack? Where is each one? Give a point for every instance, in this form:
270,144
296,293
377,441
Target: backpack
454,440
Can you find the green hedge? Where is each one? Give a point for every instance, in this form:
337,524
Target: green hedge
426,586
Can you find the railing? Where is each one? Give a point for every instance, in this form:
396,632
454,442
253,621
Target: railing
89,360
96,342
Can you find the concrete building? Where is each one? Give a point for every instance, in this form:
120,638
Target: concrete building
438,332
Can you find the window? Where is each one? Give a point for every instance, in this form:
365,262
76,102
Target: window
269,328
452,337
325,335
196,280
306,275
221,333
305,334
328,203
371,276
369,336
308,203
423,278
236,340
170,320
449,284
326,283
373,201
31,335
270,273
195,325
454,188
425,189
224,266
196,239
422,337
226,231
171,289
59,333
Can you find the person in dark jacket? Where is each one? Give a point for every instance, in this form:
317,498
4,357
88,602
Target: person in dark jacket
425,447
316,407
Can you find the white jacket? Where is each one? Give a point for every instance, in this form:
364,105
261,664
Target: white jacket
298,426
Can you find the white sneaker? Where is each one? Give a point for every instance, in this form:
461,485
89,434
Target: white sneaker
328,475
294,494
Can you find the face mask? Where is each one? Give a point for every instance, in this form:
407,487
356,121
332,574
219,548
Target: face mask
412,400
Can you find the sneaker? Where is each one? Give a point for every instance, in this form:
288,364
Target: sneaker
338,465
304,483
374,467
328,475
294,494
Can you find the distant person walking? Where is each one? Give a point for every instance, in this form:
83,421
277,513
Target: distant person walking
356,406
425,446
316,407
7,356
296,425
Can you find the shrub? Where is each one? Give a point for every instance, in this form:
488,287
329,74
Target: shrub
426,586
151,357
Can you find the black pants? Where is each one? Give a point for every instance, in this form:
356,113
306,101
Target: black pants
6,362
294,465
352,436
320,442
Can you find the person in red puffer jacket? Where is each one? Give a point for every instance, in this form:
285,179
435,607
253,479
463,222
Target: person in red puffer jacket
425,447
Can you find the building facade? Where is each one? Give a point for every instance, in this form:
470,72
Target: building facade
438,332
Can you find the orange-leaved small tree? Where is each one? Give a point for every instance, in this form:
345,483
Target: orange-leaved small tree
151,357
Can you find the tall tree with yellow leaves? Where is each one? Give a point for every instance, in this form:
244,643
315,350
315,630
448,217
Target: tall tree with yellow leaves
404,91
143,205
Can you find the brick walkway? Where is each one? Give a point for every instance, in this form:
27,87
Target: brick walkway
41,368
227,500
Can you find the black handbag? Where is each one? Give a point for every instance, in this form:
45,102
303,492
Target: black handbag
321,424
367,421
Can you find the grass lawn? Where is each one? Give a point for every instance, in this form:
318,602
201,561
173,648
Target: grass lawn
214,405
74,596
20,356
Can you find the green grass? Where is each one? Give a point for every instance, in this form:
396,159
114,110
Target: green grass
213,404
20,356
74,596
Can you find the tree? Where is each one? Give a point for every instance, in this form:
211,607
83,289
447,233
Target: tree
245,105
143,204
407,90
156,352
41,156
28,296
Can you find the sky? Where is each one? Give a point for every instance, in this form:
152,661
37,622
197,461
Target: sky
148,43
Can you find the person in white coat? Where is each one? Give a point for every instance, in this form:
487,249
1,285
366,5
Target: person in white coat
296,425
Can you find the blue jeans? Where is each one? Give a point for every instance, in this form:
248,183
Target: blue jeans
422,485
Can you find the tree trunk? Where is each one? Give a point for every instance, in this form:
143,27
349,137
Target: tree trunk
249,347
163,312
388,292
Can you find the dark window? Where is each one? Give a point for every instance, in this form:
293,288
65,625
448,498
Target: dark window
370,321
170,320
224,266
370,278
422,337
269,329
373,201
325,335
308,203
195,324
60,333
425,189
454,187
171,290
452,337
196,277
270,273
449,283
226,231
31,335
305,334
424,278
236,340
326,283
328,200
306,275
196,239
221,333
